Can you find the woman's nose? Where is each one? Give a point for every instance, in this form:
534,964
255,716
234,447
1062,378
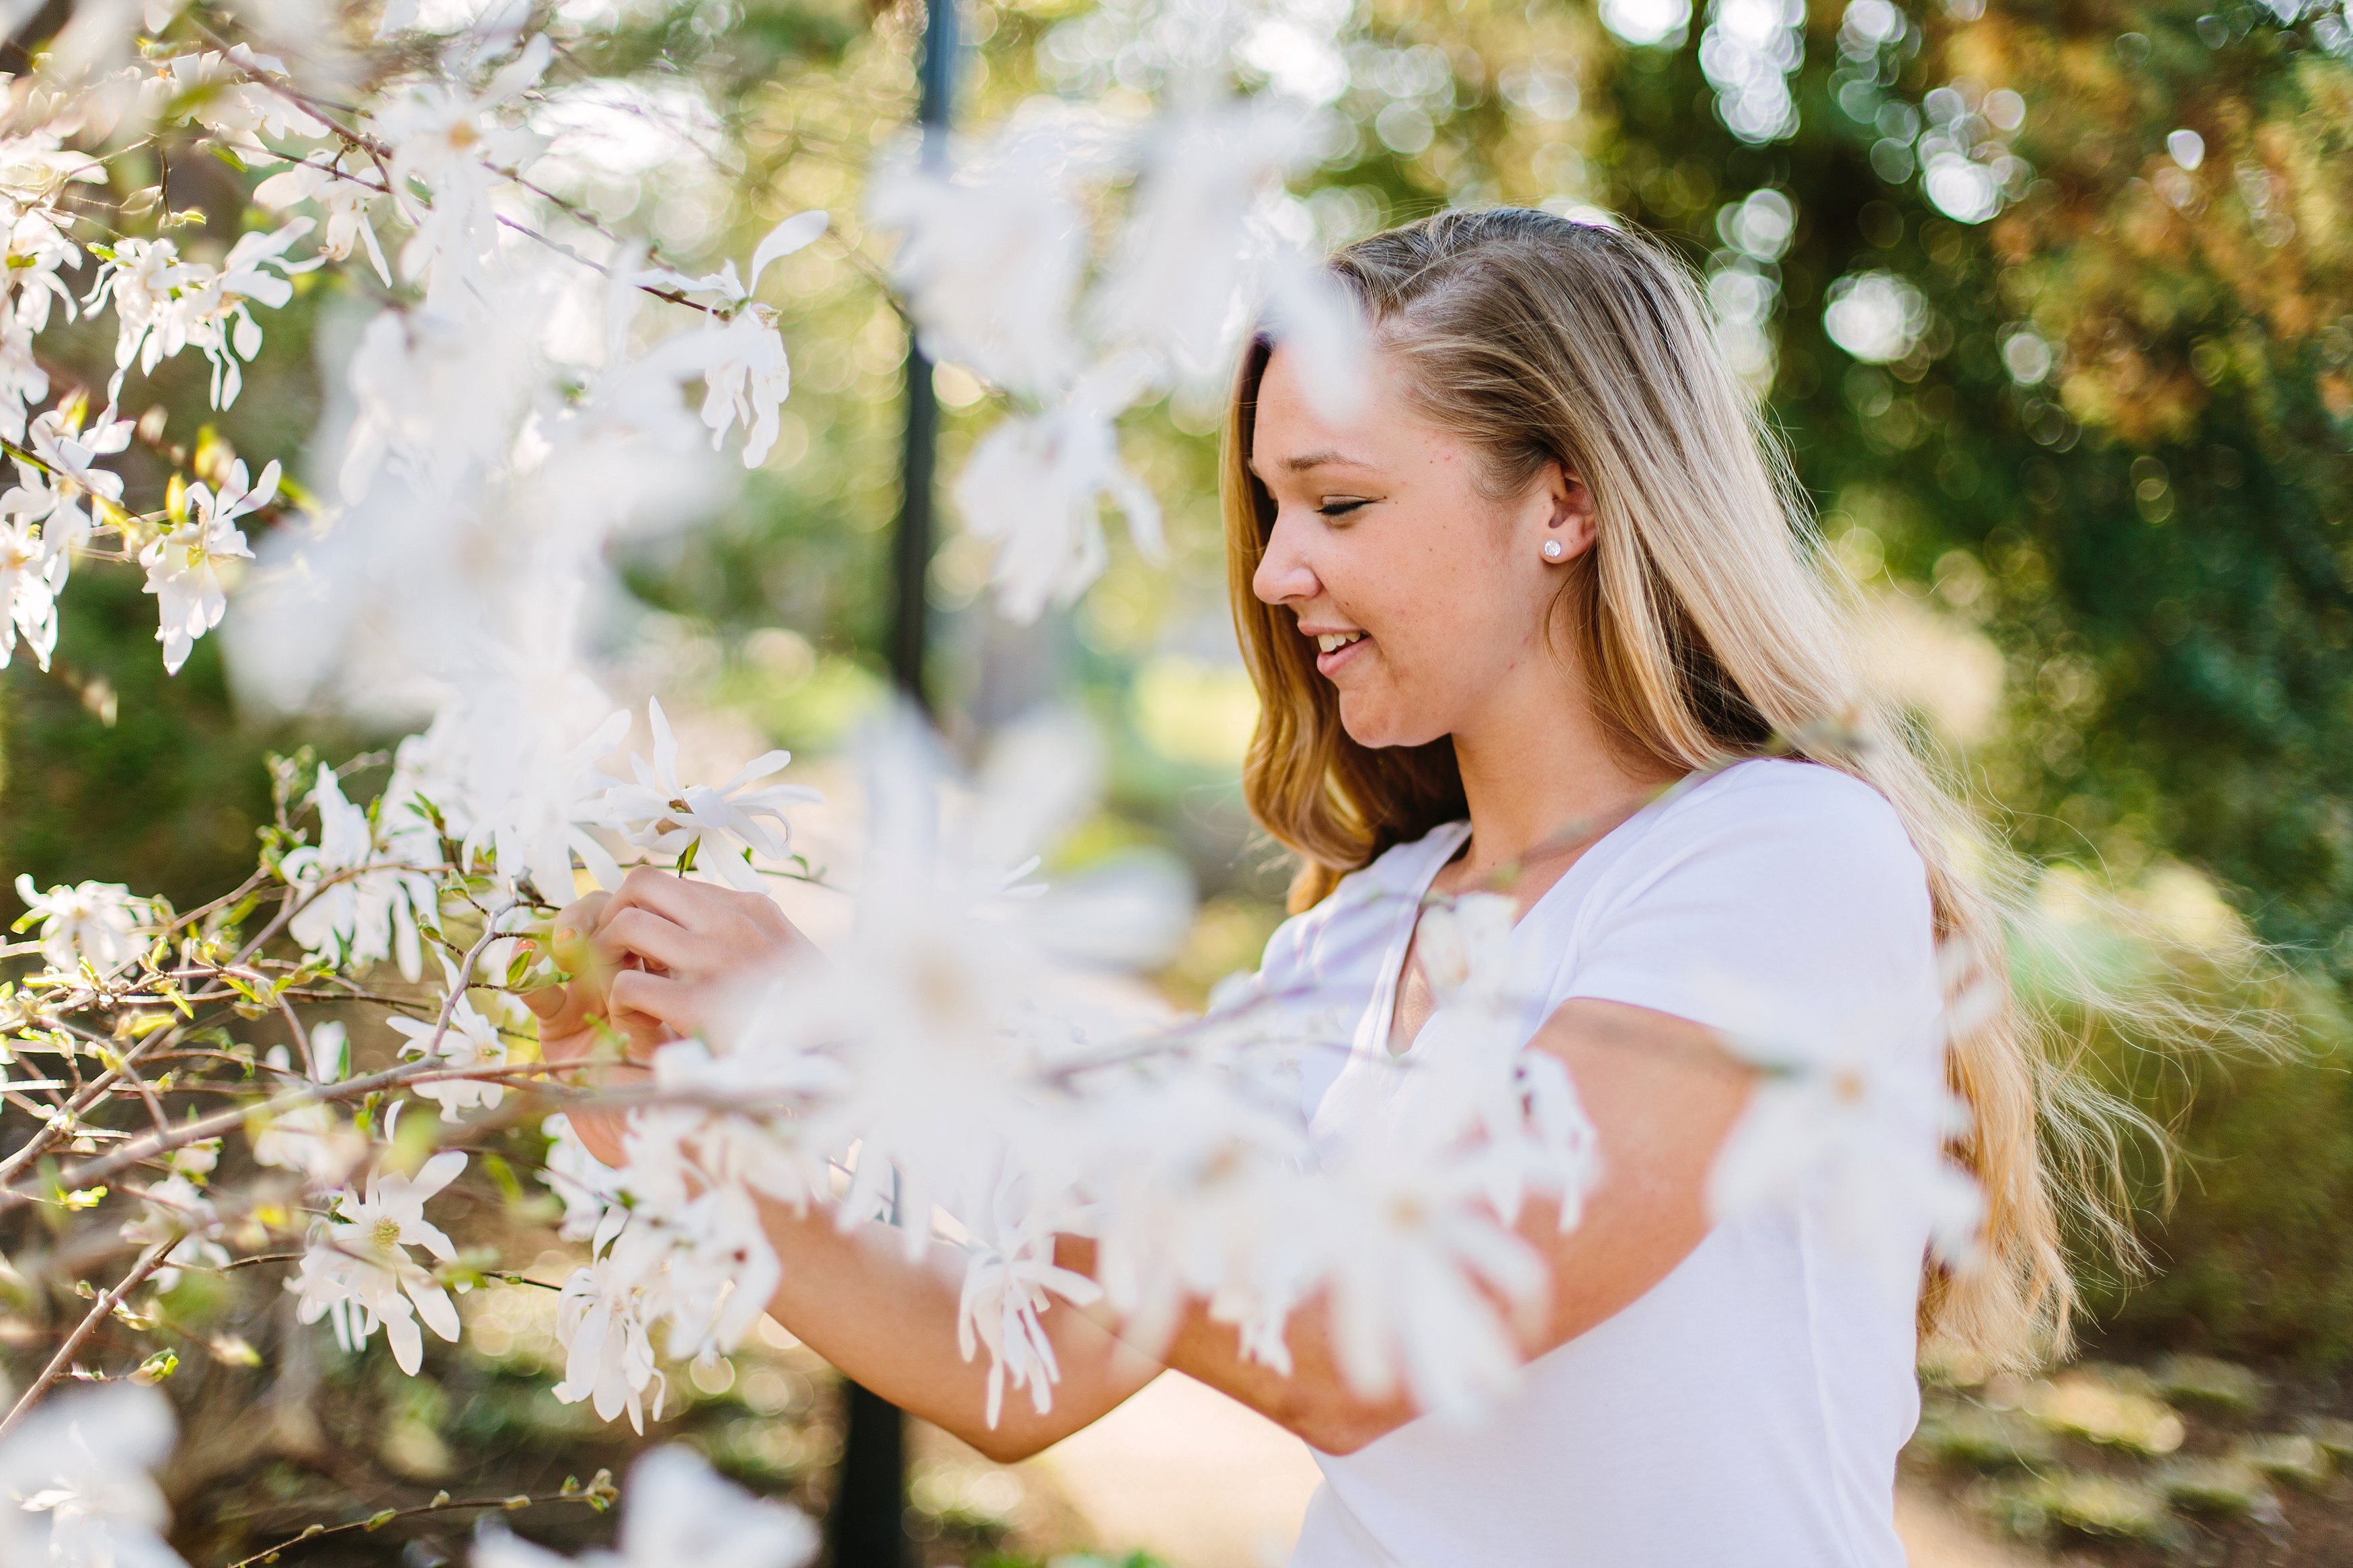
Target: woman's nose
1284,576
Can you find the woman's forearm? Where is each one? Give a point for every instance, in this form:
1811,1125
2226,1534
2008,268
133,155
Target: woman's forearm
1313,1400
854,1299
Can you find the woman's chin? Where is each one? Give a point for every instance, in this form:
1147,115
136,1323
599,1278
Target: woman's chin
1376,724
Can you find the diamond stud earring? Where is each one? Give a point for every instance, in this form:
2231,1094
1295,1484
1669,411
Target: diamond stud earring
1552,550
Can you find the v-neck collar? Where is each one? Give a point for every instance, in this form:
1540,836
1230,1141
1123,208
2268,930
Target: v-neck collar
1443,843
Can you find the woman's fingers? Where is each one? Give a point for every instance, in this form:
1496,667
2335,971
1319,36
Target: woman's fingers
667,1002
664,893
565,1007
637,933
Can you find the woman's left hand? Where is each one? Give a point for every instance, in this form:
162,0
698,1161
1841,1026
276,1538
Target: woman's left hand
678,950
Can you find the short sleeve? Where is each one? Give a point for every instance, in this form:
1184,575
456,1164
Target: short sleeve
1782,904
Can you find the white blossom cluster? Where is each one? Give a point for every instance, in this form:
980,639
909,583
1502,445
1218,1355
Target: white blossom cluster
997,266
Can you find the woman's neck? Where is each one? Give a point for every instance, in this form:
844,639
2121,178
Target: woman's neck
1542,774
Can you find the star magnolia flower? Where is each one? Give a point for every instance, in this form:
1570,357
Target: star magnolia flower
75,1489
143,279
36,168
215,90
37,249
28,604
52,491
663,815
374,914
993,252
99,921
1859,1126
747,375
309,1139
676,1509
609,1351
446,139
1009,1268
180,565
359,1273
346,199
214,308
175,1207
470,1041
1190,253
1036,484
23,382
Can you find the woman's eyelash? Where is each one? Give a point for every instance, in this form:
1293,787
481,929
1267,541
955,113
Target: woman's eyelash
1339,508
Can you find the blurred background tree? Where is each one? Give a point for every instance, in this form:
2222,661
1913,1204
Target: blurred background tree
2054,305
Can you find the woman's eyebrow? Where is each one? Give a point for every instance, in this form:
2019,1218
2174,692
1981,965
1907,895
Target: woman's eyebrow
1302,462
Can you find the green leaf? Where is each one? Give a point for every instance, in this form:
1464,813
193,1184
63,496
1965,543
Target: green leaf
227,154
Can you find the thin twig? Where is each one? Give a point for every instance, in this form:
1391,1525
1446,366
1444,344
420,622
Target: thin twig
107,1301
599,1494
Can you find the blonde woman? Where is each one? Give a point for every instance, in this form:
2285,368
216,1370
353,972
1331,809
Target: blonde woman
1554,567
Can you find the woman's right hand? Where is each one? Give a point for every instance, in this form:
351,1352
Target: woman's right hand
575,1018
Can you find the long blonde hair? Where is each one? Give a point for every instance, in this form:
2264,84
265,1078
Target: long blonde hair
1707,632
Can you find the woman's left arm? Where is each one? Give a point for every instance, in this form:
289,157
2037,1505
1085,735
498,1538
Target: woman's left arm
1662,1093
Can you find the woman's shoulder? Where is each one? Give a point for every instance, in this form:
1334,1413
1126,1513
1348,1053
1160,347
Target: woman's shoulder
1800,824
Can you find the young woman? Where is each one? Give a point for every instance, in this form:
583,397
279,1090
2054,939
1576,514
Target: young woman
1554,566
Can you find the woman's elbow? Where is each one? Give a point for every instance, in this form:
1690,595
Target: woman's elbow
1002,1448
1341,1427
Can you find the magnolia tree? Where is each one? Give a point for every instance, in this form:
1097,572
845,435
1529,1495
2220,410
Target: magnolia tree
532,384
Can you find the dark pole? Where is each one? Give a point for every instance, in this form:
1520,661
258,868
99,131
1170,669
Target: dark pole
868,1522
911,550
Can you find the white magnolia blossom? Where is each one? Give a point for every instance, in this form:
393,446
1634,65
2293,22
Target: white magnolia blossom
469,1040
75,1489
741,353
175,1210
182,566
992,259
365,887
347,199
1036,484
164,304
1859,1129
309,1139
29,604
1196,259
666,817
747,377
993,251
358,1272
458,145
60,488
98,923
219,91
675,1508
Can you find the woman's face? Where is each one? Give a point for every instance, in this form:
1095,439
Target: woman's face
1427,597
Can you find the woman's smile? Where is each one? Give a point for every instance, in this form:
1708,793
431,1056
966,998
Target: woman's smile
1335,648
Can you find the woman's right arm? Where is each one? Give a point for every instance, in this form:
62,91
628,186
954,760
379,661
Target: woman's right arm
850,1295
854,1299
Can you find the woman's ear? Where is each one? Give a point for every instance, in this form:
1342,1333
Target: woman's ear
1569,522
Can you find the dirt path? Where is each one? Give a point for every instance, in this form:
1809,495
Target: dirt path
1185,1472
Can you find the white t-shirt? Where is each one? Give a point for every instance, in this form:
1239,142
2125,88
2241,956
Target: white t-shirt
1748,1409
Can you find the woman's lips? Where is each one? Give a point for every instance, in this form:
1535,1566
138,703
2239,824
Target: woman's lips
1328,664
